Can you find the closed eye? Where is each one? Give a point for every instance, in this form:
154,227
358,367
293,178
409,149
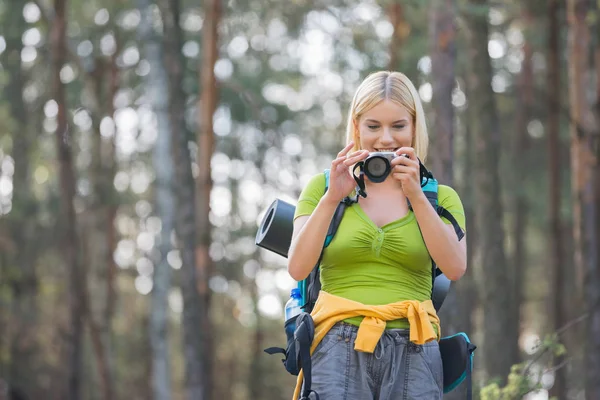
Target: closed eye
399,126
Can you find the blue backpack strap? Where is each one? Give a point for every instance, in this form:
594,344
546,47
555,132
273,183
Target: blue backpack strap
337,216
430,188
310,287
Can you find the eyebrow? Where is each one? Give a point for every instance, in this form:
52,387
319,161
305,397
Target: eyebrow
395,122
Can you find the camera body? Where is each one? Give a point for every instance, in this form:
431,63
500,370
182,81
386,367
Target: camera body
377,166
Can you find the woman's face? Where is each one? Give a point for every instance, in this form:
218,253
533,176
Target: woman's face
385,127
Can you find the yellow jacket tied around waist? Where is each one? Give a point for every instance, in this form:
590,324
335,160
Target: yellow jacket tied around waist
330,309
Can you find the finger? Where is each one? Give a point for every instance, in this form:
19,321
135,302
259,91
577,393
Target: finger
338,161
403,160
357,153
409,151
405,170
346,149
356,157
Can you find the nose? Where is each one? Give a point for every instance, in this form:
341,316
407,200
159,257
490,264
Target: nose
387,136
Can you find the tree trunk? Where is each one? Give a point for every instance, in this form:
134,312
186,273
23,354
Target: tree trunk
496,291
185,216
592,387
553,104
110,234
156,86
70,237
22,219
583,168
205,139
443,58
442,33
98,221
401,30
579,41
520,160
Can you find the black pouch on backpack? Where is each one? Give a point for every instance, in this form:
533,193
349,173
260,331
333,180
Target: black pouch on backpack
297,351
457,359
290,362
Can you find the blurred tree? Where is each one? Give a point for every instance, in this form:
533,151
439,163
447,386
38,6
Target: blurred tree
521,160
70,236
156,95
583,166
185,215
555,242
97,222
495,289
21,274
207,106
401,30
579,44
442,31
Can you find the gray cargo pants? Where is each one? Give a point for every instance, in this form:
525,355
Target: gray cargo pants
396,370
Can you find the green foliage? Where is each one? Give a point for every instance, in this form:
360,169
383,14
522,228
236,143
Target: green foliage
521,380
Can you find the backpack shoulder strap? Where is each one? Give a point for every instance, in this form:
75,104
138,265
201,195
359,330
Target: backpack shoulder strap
440,284
337,216
311,286
430,188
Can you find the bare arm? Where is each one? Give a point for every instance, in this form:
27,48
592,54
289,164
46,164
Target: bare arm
310,231
308,236
449,254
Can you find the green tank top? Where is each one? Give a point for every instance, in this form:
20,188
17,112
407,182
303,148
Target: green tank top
376,265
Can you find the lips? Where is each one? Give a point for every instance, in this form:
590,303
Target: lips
390,149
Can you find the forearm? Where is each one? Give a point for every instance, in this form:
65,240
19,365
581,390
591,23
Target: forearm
442,243
307,244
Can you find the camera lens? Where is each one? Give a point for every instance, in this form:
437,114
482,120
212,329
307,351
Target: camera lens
376,167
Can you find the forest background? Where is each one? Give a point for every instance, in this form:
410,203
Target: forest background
142,141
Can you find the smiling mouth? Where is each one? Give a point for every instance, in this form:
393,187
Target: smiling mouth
389,149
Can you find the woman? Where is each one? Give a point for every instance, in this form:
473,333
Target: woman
378,265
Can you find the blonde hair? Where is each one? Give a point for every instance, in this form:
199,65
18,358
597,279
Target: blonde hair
394,86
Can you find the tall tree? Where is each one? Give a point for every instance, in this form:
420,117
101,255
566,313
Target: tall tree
495,292
578,47
22,224
401,30
70,237
442,31
583,166
185,215
555,242
101,234
520,159
157,85
206,144
592,386
442,37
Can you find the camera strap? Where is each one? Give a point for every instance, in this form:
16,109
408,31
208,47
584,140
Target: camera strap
360,179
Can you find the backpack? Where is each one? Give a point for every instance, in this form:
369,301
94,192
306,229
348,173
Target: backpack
311,285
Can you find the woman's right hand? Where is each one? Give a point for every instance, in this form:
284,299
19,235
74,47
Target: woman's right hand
341,180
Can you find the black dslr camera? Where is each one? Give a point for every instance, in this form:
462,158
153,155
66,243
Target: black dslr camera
377,166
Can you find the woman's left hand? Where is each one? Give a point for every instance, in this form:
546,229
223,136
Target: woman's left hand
406,170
